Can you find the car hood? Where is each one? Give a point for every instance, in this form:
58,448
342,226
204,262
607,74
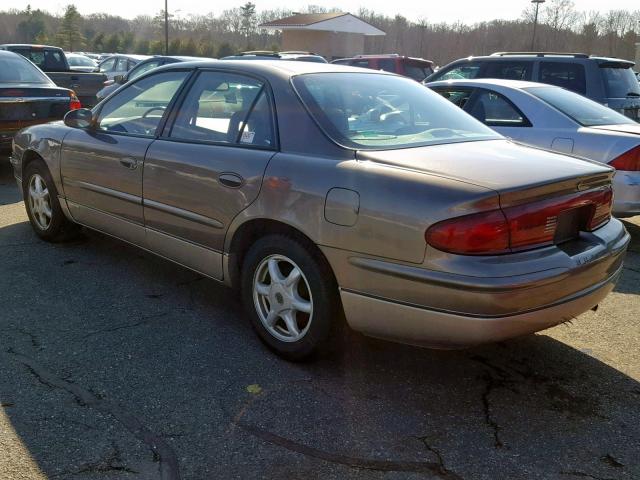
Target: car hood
514,171
624,128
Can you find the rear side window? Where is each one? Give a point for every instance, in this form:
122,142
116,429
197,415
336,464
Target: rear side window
620,82
566,75
107,65
417,71
458,97
360,63
495,110
387,64
342,62
508,70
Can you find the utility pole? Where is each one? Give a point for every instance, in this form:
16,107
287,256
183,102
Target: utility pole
535,23
166,27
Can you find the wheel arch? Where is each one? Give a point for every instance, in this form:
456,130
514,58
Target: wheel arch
251,231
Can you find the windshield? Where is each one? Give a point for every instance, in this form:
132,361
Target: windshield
15,69
584,111
620,82
80,61
375,111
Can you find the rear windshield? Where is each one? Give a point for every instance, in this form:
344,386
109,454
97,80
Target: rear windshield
47,59
620,82
15,69
584,111
80,61
376,112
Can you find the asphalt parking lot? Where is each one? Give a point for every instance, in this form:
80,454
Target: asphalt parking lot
117,364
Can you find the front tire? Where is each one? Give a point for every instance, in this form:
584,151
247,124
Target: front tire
43,207
290,295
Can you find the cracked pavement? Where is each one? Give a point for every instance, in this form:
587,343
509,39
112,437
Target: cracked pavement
117,364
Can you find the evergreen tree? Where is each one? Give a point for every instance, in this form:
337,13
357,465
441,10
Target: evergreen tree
142,47
112,43
248,14
189,48
98,42
33,26
206,49
156,47
225,49
69,35
175,46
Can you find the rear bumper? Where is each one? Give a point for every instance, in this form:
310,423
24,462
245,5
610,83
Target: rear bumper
472,300
626,187
413,325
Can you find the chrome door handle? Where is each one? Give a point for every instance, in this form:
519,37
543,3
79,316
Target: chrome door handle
130,163
231,180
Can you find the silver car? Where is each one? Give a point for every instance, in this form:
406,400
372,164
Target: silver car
319,189
554,118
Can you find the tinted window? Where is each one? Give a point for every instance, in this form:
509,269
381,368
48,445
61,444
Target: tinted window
16,69
582,110
342,62
80,61
566,75
387,64
620,82
466,70
508,70
374,111
216,109
495,110
360,63
122,65
416,71
138,109
48,60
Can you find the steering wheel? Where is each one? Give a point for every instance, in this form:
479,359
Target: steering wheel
144,115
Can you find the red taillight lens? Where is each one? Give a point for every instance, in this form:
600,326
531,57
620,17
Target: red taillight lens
628,161
477,234
524,226
74,102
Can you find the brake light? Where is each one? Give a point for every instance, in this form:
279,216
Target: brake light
628,161
522,227
74,101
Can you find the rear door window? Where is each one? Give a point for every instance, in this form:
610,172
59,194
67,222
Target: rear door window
417,71
563,74
508,70
108,65
457,96
216,110
620,82
360,63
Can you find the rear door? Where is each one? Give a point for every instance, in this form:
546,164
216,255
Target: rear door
207,167
102,166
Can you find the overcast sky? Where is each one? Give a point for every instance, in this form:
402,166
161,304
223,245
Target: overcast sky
468,11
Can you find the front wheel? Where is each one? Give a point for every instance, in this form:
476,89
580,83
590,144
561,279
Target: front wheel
290,295
42,204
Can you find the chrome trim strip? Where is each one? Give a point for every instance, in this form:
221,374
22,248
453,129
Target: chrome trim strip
186,214
127,197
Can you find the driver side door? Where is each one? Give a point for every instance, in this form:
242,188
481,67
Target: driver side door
101,166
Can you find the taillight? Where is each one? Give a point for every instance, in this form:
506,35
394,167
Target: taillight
74,102
628,161
524,226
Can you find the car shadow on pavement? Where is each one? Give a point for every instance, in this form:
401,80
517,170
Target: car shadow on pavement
118,363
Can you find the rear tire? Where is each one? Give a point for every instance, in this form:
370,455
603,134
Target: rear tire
42,204
290,295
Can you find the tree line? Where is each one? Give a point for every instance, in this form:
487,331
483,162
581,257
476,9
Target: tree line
561,28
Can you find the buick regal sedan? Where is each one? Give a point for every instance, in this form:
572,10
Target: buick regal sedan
320,189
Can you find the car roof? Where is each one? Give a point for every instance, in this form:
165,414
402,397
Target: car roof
489,82
281,68
546,56
30,45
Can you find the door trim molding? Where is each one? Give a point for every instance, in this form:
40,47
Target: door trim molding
127,197
180,212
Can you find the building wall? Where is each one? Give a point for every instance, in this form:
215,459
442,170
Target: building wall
330,45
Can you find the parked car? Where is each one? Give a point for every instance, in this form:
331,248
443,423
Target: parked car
142,67
416,68
316,187
53,62
608,81
81,63
119,64
269,55
550,117
28,97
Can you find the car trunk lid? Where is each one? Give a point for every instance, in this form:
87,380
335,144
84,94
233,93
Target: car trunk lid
24,106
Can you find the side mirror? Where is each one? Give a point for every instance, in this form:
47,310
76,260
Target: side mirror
79,118
118,79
